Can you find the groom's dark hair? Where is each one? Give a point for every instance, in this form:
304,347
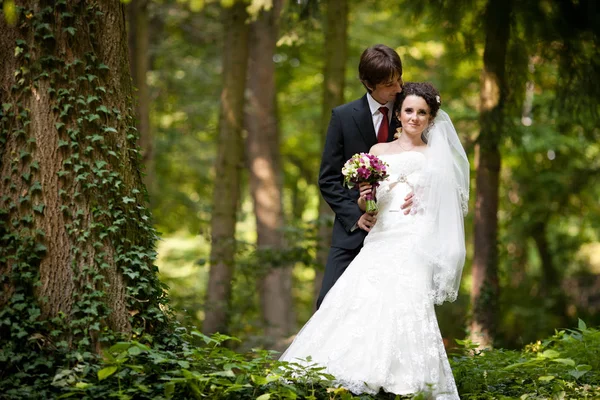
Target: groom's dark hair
379,64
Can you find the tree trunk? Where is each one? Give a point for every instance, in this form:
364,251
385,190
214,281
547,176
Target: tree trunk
228,167
139,38
336,43
551,278
484,295
264,162
76,242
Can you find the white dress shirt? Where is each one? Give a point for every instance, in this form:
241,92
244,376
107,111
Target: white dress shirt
376,114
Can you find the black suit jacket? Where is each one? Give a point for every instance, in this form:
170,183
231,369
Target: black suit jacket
350,131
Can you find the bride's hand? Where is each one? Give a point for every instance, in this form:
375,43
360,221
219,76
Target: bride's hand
365,189
408,203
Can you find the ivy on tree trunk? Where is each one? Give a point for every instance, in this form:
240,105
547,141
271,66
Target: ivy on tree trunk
76,239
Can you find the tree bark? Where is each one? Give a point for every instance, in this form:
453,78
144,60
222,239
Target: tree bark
264,162
334,80
139,39
551,278
484,295
76,242
228,167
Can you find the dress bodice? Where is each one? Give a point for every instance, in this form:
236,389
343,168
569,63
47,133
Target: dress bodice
404,172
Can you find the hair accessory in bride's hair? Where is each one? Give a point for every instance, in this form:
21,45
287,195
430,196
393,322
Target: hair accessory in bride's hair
398,132
437,98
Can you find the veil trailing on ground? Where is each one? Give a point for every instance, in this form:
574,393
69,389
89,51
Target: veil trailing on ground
442,194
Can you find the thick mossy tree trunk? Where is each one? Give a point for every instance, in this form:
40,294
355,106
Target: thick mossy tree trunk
76,242
228,169
484,294
336,39
264,161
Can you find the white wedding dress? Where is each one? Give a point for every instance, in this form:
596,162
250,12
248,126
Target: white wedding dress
377,327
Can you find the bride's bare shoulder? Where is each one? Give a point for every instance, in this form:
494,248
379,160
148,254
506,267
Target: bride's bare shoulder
378,149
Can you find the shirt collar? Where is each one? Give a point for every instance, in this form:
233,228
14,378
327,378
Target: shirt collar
374,104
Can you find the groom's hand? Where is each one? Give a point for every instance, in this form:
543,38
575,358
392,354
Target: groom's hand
408,203
367,221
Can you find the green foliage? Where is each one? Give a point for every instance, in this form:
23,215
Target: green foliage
196,367
564,366
190,365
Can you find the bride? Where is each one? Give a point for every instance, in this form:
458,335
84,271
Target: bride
377,328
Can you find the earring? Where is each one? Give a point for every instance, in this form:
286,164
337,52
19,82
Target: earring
398,133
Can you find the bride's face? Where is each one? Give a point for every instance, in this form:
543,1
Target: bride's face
414,115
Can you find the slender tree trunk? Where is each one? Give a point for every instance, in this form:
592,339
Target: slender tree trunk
264,162
228,168
76,242
551,278
139,38
484,295
336,44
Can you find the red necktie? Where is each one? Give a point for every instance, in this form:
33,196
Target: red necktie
382,135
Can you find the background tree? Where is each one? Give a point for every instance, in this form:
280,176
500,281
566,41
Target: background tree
335,55
76,241
228,167
493,96
264,160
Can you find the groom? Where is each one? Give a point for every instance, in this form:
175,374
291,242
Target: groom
354,128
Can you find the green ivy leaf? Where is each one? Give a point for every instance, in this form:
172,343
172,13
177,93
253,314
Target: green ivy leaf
70,29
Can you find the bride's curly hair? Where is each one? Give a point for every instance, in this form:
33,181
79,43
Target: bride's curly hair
424,90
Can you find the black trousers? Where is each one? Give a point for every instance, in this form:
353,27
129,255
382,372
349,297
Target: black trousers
337,262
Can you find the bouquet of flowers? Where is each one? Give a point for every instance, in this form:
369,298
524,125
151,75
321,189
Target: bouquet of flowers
364,167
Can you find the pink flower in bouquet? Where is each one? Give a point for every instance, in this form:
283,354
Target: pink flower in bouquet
364,167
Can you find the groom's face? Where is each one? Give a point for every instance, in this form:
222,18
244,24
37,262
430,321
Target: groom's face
387,91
